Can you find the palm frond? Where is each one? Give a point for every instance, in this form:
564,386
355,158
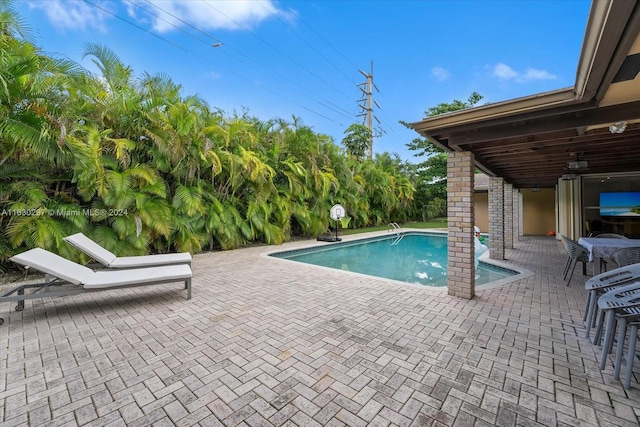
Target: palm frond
188,200
15,171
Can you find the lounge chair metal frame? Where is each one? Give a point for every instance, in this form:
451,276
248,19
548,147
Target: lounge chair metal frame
67,287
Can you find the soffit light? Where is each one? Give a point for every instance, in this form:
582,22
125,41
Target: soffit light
618,127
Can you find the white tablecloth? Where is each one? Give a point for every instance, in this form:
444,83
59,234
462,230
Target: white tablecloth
604,247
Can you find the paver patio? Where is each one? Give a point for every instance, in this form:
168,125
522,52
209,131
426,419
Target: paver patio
272,342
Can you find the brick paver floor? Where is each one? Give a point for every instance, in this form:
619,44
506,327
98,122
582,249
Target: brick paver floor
269,342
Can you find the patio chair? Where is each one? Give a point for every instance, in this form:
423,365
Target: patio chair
602,283
71,278
610,236
631,352
110,260
576,253
626,256
622,306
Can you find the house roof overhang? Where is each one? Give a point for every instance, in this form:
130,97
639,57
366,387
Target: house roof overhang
535,140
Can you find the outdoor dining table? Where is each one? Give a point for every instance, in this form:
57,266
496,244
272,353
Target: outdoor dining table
601,248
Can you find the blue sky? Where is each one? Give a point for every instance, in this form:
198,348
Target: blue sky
284,58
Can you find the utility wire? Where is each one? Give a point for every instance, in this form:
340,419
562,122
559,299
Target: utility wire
346,58
154,5
137,26
278,50
282,78
355,67
340,108
307,43
343,112
205,59
166,21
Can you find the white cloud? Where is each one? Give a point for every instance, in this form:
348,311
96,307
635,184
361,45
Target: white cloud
165,14
213,15
440,74
73,14
533,74
505,72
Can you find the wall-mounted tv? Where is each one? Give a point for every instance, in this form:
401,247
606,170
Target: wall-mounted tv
620,204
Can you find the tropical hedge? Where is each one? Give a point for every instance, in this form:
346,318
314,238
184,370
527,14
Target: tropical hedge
139,167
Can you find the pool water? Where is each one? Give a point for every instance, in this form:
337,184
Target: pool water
415,258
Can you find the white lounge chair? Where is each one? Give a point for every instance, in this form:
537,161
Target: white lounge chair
72,278
110,260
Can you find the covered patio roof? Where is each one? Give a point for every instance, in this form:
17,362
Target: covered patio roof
535,140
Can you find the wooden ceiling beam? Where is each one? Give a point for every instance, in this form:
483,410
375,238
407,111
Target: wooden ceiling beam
531,153
632,132
547,124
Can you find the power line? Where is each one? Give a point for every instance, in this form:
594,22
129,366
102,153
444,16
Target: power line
137,26
205,59
283,79
346,59
355,67
340,108
179,19
278,50
307,43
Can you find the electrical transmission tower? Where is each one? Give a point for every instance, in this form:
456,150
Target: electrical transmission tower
366,104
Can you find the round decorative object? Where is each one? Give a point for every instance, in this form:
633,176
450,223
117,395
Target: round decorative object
337,212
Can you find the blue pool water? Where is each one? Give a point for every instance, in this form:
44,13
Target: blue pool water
416,258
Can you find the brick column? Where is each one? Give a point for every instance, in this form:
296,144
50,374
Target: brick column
517,219
496,218
461,278
509,220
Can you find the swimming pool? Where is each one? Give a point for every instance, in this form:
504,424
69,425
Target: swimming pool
418,258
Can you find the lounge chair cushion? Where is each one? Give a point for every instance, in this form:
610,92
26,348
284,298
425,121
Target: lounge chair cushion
88,246
102,279
108,259
151,260
53,264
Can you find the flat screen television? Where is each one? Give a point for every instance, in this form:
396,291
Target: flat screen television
625,204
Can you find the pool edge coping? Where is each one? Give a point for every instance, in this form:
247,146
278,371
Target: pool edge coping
522,273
